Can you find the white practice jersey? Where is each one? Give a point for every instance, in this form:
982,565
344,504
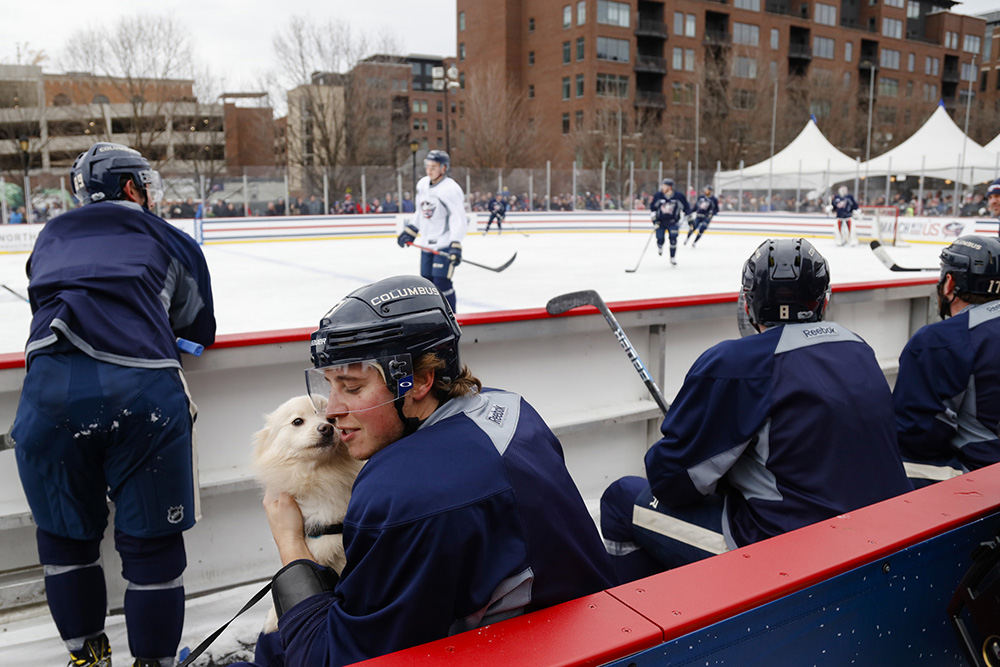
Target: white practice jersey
440,212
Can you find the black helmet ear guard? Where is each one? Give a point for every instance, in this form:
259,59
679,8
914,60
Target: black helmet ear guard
785,281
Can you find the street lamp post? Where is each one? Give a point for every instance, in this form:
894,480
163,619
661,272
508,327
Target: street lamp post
446,81
414,146
26,159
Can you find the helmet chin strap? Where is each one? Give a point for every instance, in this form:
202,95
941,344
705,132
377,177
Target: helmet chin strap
410,424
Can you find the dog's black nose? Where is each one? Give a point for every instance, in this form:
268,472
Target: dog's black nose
325,429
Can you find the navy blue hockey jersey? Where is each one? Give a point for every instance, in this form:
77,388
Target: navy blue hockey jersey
792,426
844,206
947,393
705,207
472,519
668,210
120,284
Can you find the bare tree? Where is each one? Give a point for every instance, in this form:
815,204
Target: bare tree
496,129
145,62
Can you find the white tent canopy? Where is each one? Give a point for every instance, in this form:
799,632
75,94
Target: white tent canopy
994,147
939,149
809,162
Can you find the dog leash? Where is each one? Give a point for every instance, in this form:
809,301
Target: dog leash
200,648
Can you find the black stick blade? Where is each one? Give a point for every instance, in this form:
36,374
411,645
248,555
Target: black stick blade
558,305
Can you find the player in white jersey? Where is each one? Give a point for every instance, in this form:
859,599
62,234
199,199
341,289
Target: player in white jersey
440,219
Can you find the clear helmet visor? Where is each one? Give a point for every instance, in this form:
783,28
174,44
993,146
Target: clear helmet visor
358,383
154,185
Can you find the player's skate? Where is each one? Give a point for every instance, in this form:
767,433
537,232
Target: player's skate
659,250
673,261
96,652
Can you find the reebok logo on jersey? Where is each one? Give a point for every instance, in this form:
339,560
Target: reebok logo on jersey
819,331
496,414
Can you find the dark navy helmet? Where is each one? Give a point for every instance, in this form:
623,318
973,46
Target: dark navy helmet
785,281
974,264
439,156
100,173
388,324
708,189
668,181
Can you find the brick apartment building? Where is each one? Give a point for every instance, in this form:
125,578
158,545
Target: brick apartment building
581,63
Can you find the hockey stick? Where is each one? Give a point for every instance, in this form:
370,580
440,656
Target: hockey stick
17,294
558,305
643,254
497,269
884,257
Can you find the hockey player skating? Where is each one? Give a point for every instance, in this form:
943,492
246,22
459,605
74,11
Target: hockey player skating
756,442
844,205
497,207
104,411
440,219
705,208
666,209
947,393
464,513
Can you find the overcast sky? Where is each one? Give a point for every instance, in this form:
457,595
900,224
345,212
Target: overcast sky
234,37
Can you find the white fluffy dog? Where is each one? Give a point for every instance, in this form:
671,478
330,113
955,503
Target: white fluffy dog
299,452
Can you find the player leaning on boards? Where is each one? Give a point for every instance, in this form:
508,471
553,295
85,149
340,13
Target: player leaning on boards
104,410
705,208
464,513
768,433
666,210
439,217
844,205
947,393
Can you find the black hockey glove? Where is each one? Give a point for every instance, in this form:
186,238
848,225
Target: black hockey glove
299,580
408,235
455,251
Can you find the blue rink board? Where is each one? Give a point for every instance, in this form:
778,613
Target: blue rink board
889,612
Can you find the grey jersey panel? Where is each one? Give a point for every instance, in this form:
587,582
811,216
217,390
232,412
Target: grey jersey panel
706,474
750,474
983,312
496,413
796,336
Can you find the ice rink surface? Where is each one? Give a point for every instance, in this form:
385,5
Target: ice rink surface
269,285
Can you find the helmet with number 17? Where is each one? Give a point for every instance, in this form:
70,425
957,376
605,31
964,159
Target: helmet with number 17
785,281
974,264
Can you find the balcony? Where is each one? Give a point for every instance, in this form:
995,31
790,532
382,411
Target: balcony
653,64
950,76
718,38
650,99
651,28
799,52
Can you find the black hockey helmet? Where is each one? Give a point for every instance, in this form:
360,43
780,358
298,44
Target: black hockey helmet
390,323
667,181
96,174
974,263
440,156
785,281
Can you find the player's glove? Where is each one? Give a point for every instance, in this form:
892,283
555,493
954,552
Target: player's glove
455,251
408,235
652,216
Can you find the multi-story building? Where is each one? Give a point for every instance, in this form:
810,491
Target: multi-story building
61,115
718,69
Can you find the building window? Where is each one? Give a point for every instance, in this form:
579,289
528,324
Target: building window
461,51
683,59
823,47
909,89
820,108
931,66
971,43
689,26
895,3
565,123
679,23
888,87
911,61
744,68
744,99
567,16
847,79
581,12
912,9
886,115
580,51
775,36
440,106
612,49
744,33
461,21
683,93
565,87
968,72
531,58
567,51
578,120
950,40
752,5
531,24
440,125
825,14
848,51
613,13
611,85
889,58
531,90
579,85
892,28
930,92
101,99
